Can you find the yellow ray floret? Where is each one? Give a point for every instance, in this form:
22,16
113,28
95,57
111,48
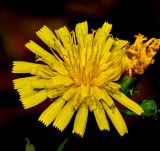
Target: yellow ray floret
21,82
81,120
65,115
78,75
116,119
51,112
47,36
34,99
26,91
46,57
124,100
100,117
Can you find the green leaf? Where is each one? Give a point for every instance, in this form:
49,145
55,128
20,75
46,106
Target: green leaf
29,146
62,146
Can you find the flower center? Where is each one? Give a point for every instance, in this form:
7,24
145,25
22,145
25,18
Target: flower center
85,75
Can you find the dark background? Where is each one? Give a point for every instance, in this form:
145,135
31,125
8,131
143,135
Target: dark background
19,20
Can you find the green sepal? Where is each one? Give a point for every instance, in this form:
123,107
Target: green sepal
149,107
127,84
128,112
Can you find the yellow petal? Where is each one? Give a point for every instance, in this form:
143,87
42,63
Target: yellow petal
26,67
47,36
88,42
69,93
102,94
33,68
62,80
34,99
65,115
83,56
21,82
81,30
56,92
106,50
64,35
26,91
81,120
124,100
116,119
51,112
114,86
47,57
100,117
118,45
38,50
124,63
105,76
106,28
102,34
42,84
84,90
51,83
92,103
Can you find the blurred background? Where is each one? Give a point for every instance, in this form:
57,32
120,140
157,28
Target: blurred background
19,20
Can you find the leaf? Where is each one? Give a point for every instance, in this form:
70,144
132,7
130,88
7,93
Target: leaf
62,146
29,146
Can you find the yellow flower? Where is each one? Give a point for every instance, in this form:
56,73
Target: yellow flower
79,76
141,54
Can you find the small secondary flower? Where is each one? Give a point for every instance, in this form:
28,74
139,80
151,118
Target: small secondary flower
141,54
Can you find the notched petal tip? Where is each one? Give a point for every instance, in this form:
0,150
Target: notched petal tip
16,66
58,127
43,122
117,119
14,84
127,102
28,43
78,134
23,104
13,68
101,118
49,114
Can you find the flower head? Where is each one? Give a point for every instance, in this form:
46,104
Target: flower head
141,54
79,76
